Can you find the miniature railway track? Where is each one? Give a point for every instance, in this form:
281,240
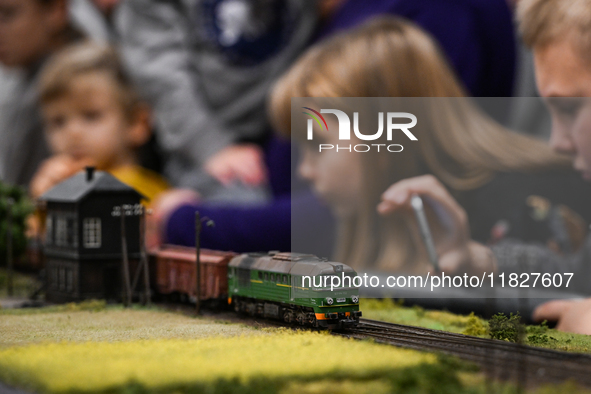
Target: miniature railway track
499,359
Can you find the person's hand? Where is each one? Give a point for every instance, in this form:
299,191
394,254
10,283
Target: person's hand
53,171
160,211
572,315
456,250
238,162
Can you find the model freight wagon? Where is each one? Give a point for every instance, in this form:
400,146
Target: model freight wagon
272,285
174,272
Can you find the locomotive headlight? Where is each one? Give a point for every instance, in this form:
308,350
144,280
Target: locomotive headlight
329,300
355,299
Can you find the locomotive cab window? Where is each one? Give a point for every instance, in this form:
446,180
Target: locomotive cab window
244,277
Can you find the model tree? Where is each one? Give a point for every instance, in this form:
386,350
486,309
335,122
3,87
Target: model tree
15,199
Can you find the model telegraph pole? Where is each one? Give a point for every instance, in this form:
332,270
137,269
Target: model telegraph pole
198,261
127,300
144,256
198,228
143,264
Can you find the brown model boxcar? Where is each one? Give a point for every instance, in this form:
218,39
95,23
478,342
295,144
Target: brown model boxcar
174,270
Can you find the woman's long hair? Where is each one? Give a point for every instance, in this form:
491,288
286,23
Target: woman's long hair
459,144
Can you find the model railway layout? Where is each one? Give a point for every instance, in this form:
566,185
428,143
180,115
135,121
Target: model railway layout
94,240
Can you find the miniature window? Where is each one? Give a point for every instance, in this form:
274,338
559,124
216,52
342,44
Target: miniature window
266,276
72,226
49,230
260,275
61,231
284,279
69,280
54,278
62,279
92,233
272,277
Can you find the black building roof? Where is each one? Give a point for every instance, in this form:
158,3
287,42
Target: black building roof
77,187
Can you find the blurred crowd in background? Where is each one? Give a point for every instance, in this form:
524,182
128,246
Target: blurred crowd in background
202,71
205,69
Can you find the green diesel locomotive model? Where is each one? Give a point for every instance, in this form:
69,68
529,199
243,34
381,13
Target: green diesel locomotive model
294,287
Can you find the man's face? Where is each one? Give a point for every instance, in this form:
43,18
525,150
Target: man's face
564,81
28,29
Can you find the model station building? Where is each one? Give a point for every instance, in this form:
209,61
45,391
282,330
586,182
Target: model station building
83,241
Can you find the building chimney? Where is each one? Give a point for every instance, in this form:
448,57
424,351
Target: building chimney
89,174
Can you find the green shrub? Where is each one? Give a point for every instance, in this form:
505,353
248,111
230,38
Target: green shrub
538,339
21,208
419,310
538,329
542,339
506,328
474,326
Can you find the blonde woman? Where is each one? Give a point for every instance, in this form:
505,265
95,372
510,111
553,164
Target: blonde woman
461,154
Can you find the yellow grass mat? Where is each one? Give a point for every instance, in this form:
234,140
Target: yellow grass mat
109,325
261,363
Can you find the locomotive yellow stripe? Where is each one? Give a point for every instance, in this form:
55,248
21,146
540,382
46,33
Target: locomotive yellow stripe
256,281
279,284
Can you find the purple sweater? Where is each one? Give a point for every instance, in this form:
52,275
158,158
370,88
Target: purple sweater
477,37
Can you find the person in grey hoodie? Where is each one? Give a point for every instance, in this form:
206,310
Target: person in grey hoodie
95,18
206,67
